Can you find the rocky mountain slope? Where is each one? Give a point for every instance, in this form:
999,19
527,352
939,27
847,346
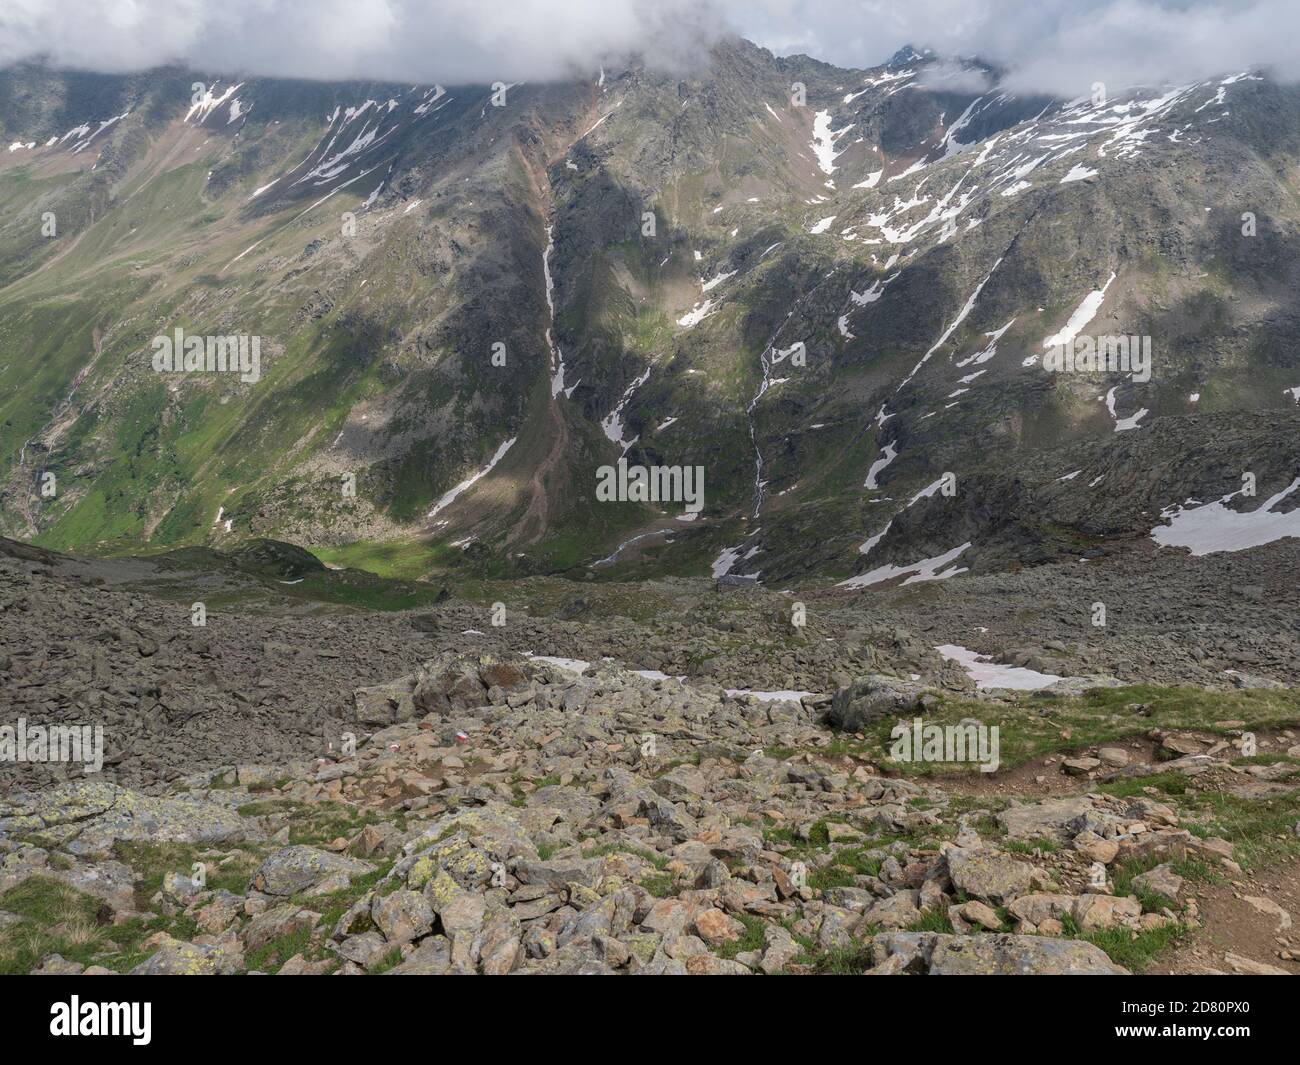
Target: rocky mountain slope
819,285
515,816
340,773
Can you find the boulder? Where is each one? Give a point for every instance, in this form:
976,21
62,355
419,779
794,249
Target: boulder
867,701
293,870
276,922
381,705
716,928
988,875
402,916
1098,912
1041,906
897,911
176,957
980,914
779,949
1050,817
1161,881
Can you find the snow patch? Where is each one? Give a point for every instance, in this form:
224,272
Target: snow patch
823,142
1078,174
887,455
989,674
1214,527
1083,314
728,557
450,497
927,569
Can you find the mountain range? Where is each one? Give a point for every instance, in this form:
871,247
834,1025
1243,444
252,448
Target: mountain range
839,294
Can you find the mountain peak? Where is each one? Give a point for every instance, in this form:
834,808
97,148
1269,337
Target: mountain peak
905,55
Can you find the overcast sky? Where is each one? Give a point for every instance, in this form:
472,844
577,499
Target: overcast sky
1059,46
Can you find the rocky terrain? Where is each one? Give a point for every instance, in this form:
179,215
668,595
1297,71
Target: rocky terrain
304,787
344,664
266,673
503,816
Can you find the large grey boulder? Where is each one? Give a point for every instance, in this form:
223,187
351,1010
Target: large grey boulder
293,870
385,704
1060,818
178,957
988,875
453,683
870,700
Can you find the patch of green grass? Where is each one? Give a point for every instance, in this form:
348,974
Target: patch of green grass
333,906
1123,875
47,901
787,836
271,955
58,919
843,745
1021,846
1167,783
1135,951
153,861
319,823
357,588
1270,759
751,939
265,807
1260,830
388,961
849,864
1033,725
660,885
934,920
839,961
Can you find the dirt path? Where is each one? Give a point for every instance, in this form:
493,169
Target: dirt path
1233,926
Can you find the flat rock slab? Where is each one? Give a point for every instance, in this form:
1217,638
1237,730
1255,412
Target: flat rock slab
176,957
88,818
940,954
1270,909
1047,818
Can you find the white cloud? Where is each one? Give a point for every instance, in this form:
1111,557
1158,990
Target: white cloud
451,41
1060,46
1056,46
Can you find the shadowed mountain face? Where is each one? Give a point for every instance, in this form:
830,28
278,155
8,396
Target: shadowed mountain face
843,298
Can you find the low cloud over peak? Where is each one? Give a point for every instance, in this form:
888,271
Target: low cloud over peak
1056,46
